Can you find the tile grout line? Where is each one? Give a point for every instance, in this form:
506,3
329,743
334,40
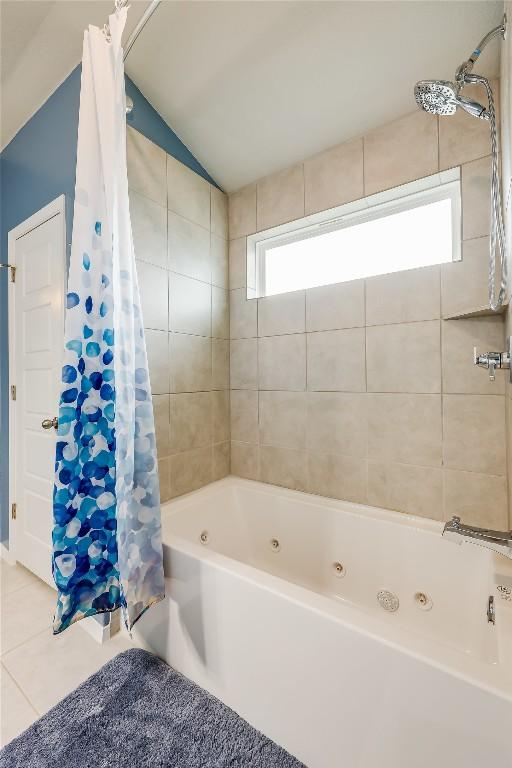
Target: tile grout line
20,689
21,644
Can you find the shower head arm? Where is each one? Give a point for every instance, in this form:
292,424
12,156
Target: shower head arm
466,67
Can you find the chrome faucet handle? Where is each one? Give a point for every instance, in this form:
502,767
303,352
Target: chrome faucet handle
491,361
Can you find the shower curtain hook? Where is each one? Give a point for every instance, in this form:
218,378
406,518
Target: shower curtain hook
118,6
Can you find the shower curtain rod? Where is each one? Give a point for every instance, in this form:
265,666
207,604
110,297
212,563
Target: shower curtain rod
151,8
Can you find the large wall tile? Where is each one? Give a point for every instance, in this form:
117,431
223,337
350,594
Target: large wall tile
406,488
242,212
191,420
404,358
220,363
245,460
244,364
157,350
189,248
280,197
220,261
476,198
187,193
244,415
237,263
190,362
400,152
191,470
334,177
460,374
336,361
282,362
464,283
190,305
341,477
243,315
462,138
146,167
283,466
337,422
221,460
282,419
474,433
477,499
220,416
405,428
183,271
149,225
404,297
162,421
220,312
332,307
285,313
153,296
219,213
508,427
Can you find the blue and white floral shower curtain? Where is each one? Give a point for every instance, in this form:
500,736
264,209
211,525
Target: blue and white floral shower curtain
107,549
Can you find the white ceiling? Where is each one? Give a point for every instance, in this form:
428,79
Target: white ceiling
40,44
251,87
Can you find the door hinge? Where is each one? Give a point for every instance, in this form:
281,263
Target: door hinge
12,269
13,510
13,391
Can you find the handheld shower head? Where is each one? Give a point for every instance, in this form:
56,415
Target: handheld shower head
441,97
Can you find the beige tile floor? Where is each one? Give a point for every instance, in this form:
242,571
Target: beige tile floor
37,669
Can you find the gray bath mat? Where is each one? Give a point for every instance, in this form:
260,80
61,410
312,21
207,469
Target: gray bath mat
136,712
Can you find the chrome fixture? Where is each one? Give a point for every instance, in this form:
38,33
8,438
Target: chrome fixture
339,570
151,8
498,541
49,423
443,97
494,360
491,610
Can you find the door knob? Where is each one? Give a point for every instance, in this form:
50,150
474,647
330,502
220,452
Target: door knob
49,423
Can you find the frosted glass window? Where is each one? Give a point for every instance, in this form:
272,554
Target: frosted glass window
416,230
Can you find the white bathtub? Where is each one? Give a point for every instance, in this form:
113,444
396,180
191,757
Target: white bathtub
308,655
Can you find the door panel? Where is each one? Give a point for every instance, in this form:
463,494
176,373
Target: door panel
39,338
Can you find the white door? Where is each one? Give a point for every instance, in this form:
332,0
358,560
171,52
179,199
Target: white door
38,250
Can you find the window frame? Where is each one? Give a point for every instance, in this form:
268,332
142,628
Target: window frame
445,185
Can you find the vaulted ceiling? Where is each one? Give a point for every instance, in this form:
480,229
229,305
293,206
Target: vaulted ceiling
254,86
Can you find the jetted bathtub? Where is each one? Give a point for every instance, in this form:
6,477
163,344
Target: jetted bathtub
352,636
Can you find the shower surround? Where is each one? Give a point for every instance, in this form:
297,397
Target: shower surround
363,391
366,390
179,225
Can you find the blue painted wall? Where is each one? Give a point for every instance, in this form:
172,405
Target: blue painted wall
37,166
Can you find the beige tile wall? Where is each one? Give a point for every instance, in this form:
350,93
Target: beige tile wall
180,231
506,132
366,390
